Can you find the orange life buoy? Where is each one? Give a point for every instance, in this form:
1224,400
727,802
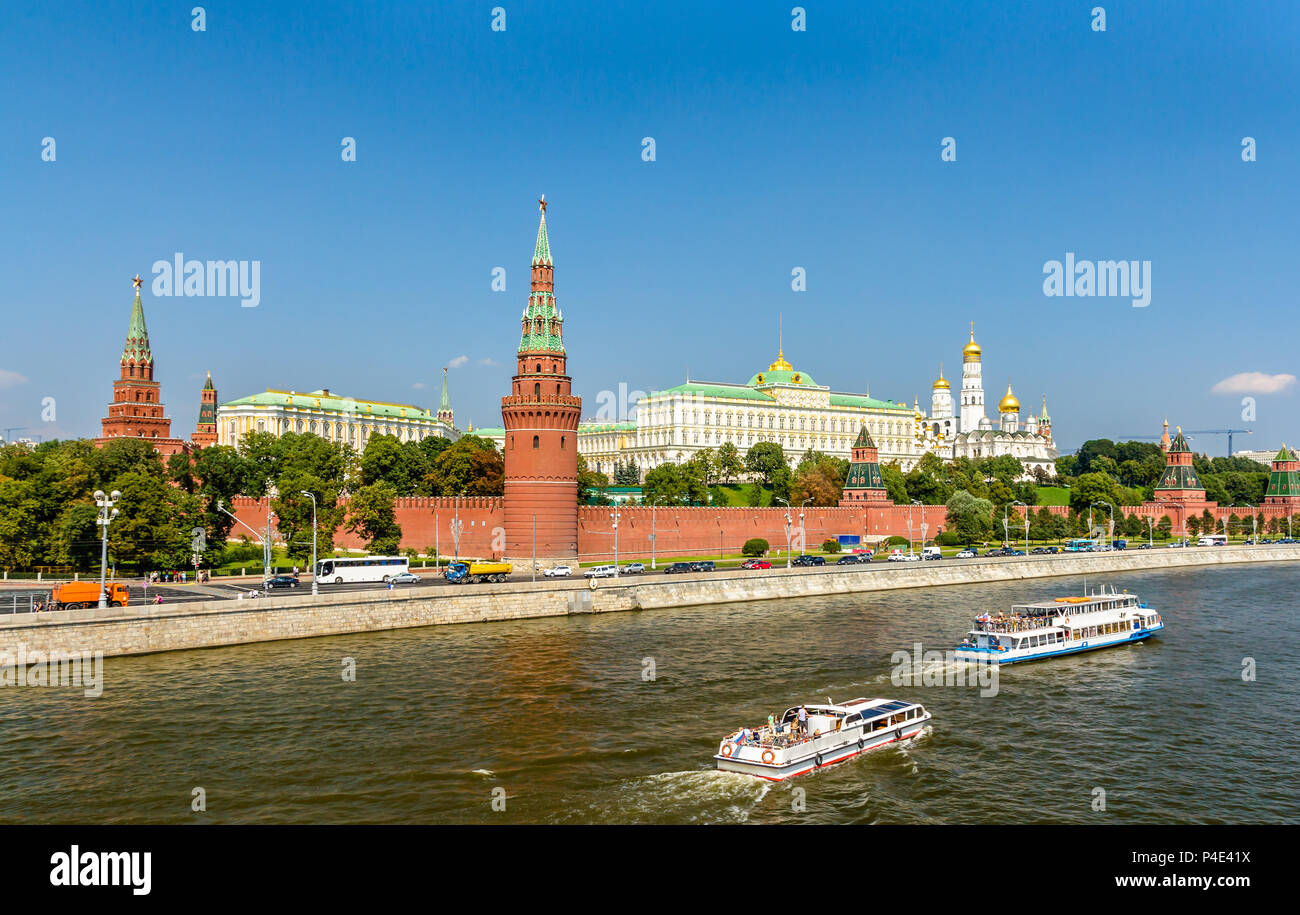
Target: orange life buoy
768,756
729,749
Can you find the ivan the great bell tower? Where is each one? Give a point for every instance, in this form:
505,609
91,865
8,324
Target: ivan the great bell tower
541,421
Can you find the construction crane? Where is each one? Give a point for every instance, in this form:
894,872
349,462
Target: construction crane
1190,433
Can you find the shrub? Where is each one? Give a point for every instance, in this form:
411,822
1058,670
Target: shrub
830,546
896,541
948,538
755,546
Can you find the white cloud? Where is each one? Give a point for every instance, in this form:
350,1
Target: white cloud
10,379
457,362
1253,383
419,386
487,360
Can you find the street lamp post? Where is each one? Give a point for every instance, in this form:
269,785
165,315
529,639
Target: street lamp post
909,526
314,568
1151,532
652,537
107,513
456,528
1254,526
1110,529
719,520
788,522
803,531
1026,508
266,568
614,517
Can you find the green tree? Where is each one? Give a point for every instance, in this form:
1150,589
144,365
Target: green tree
730,463
895,483
754,546
591,484
969,518
293,512
472,467
21,543
1094,487
371,515
673,484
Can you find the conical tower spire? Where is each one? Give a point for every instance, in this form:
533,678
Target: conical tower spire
542,324
137,349
444,404
542,250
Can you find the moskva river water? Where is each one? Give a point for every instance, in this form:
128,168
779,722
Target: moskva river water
615,718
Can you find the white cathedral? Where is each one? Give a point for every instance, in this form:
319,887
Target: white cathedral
971,434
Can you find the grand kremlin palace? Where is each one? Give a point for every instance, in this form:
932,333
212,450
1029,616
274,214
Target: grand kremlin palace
786,406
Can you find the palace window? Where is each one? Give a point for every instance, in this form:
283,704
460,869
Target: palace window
537,442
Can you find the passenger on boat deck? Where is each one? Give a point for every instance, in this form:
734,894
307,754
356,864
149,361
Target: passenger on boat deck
803,719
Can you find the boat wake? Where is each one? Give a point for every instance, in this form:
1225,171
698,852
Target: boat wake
696,796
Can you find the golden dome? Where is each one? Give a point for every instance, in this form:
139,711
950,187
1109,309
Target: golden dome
1008,403
971,351
941,383
780,365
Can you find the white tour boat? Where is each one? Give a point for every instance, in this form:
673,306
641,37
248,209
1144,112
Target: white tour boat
1065,625
833,733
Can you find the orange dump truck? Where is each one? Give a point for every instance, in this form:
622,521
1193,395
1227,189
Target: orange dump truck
76,595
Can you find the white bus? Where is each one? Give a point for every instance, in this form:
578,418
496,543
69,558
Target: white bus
1213,540
366,568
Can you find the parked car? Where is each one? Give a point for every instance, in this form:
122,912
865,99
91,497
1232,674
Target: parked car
806,560
558,572
1039,551
965,554
678,567
405,578
931,552
756,564
1144,546
704,565
601,572
280,581
634,568
849,560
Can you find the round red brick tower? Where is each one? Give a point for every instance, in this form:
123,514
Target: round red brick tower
541,421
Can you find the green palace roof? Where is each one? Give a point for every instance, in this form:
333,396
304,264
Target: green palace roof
710,389
324,400
587,426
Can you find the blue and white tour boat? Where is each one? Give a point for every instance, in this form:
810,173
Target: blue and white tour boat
1064,625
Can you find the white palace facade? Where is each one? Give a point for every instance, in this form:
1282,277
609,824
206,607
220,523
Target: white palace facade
786,406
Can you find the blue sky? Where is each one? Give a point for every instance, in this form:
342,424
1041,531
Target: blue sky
775,149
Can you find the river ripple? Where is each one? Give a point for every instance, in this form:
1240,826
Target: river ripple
556,713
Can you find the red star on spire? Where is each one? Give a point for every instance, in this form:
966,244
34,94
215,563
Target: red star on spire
136,282
542,204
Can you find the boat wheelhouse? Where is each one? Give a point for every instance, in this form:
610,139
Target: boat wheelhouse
1064,625
831,733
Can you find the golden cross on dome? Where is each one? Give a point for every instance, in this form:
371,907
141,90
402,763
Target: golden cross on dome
541,204
136,282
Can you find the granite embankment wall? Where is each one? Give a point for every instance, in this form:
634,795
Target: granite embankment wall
168,627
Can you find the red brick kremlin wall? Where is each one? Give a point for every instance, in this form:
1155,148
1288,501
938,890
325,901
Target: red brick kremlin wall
680,531
684,531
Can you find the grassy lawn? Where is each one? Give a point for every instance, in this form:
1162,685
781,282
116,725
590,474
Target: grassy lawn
737,495
1053,495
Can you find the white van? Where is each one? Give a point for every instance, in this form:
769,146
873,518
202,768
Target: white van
931,552
601,572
